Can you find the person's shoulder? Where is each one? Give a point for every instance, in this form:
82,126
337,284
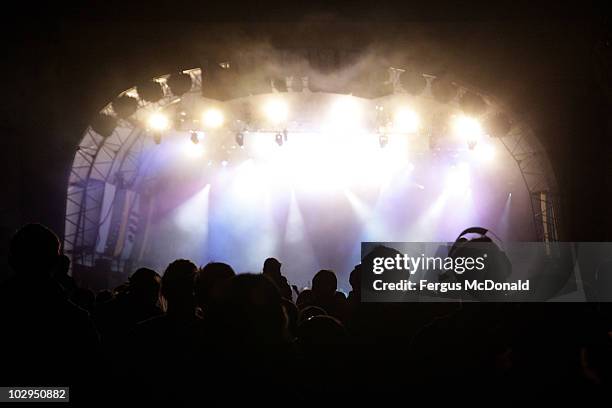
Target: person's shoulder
339,296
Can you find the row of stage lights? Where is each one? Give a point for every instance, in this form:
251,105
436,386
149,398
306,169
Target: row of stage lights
404,121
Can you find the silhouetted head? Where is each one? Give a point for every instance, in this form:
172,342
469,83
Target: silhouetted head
355,279
324,284
144,286
304,299
209,279
35,251
178,283
272,267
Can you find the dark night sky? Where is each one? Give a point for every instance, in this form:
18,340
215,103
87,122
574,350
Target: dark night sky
62,64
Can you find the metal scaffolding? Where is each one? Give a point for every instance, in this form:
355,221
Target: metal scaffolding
121,159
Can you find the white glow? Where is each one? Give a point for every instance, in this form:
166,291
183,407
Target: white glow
484,152
458,179
325,161
276,110
406,120
467,128
213,118
158,121
345,113
193,150
193,214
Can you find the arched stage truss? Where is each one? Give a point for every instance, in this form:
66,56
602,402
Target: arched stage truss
113,153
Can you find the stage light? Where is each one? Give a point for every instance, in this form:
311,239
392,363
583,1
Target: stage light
406,120
276,111
279,139
224,163
213,118
158,121
194,137
383,139
467,128
240,139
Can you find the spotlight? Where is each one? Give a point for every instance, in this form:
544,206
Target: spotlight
224,163
213,118
240,139
194,137
383,139
285,135
467,128
279,139
276,110
158,121
472,144
405,121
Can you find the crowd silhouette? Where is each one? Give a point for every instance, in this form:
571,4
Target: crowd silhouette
208,335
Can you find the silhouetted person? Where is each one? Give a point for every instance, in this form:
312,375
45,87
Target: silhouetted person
247,333
324,295
138,301
353,301
168,343
208,281
46,338
322,341
354,296
272,270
